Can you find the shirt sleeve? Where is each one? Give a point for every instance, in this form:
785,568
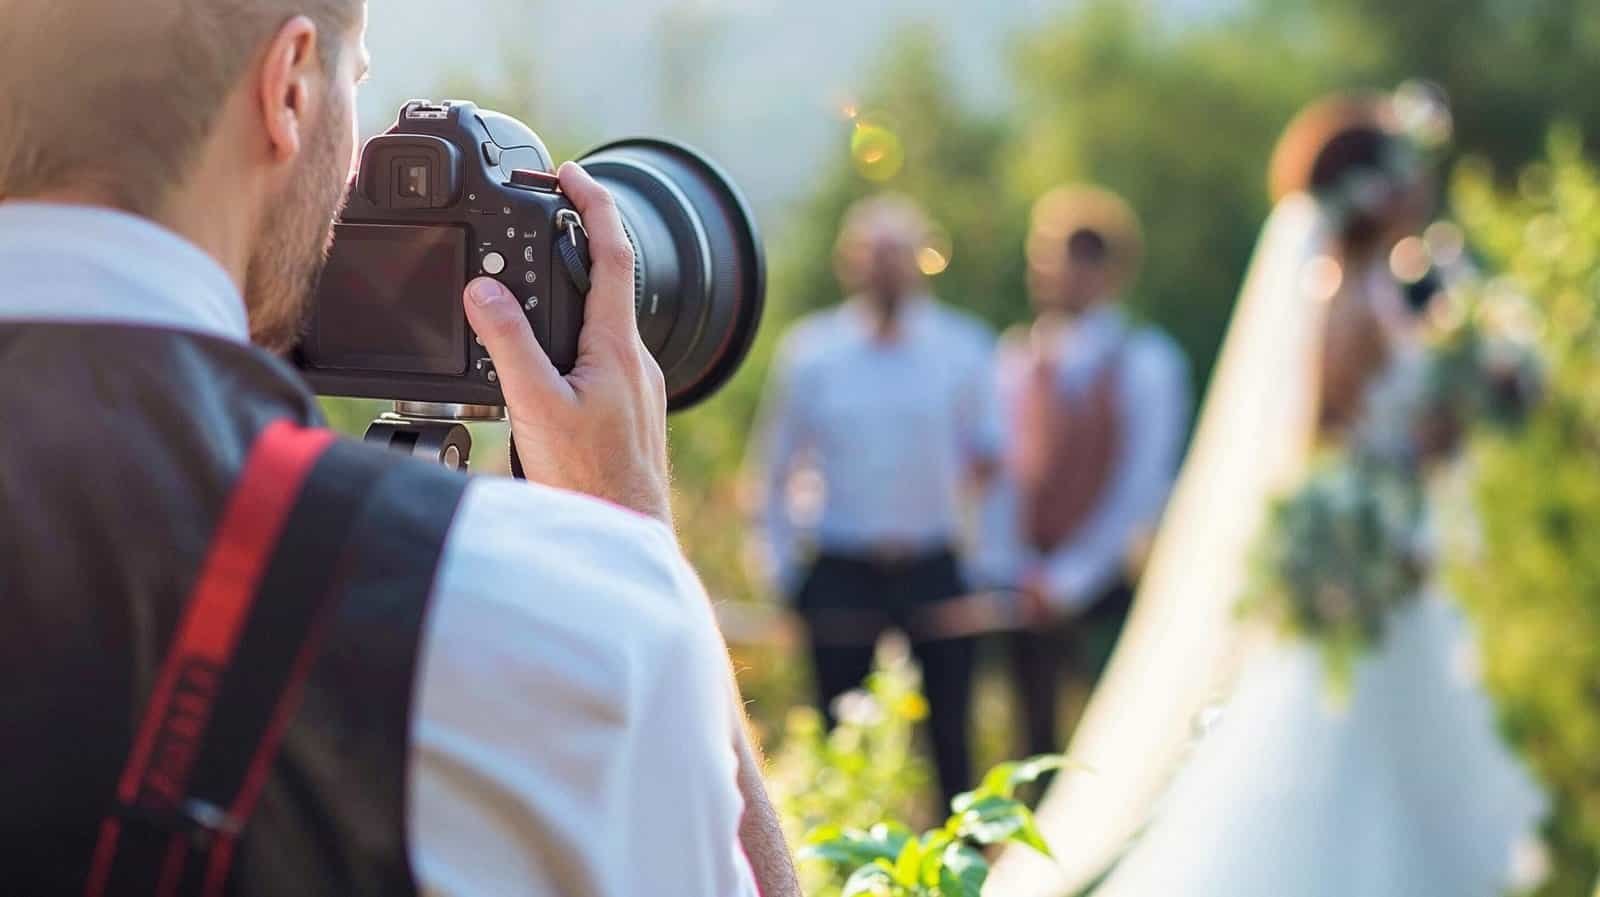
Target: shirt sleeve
782,438
1156,408
574,718
996,557
982,423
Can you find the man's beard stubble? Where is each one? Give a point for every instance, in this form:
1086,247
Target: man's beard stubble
296,234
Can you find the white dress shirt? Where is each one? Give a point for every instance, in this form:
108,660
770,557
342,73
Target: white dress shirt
888,429
574,717
1154,403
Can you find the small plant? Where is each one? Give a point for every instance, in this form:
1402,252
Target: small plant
868,768
889,860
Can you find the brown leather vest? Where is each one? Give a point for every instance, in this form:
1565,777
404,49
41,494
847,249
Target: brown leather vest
1065,448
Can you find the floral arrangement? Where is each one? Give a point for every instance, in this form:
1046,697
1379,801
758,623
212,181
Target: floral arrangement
1337,555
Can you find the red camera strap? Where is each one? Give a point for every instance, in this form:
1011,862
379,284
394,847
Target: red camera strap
233,674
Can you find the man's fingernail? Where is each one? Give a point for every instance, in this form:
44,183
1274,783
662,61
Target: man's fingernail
483,292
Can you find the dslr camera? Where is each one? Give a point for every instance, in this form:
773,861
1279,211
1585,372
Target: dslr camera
453,192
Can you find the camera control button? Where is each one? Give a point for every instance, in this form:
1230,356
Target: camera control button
493,263
542,181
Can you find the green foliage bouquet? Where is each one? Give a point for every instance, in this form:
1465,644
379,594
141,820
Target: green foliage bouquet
1338,555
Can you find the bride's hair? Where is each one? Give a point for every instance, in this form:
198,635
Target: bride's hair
1342,152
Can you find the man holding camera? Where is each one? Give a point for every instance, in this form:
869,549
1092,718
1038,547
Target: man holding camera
249,659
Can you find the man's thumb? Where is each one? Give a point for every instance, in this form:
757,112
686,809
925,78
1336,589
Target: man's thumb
521,365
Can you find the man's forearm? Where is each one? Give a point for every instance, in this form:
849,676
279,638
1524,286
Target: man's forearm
759,831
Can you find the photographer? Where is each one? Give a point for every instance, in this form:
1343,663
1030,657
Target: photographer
249,659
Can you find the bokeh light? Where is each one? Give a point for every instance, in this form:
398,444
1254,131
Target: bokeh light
1447,245
933,257
876,151
1410,261
1322,278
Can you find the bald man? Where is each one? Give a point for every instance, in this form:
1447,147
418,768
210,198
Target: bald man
883,400
245,657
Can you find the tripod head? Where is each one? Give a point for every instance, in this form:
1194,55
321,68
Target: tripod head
432,431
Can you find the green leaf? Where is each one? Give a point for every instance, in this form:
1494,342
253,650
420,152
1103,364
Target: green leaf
1028,833
824,833
991,820
934,844
908,866
850,848
871,880
964,801
1000,782
892,836
1031,769
843,853
963,872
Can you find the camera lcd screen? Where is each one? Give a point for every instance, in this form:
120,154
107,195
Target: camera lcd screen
390,301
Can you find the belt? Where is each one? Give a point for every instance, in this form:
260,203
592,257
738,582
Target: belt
888,554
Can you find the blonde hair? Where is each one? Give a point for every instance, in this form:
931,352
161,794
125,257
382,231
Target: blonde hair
1065,211
118,97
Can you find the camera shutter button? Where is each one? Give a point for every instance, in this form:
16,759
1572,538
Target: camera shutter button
493,263
543,181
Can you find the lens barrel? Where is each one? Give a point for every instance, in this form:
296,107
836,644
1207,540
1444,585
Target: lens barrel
700,270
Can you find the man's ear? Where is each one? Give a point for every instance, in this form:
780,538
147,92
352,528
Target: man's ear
291,72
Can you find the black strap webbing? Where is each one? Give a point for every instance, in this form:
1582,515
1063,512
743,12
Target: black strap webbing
215,724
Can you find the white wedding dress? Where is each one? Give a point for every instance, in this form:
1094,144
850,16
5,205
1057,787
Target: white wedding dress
1220,753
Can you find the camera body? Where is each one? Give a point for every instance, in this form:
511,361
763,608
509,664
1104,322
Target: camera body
450,193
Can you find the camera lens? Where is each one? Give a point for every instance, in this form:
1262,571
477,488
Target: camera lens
700,268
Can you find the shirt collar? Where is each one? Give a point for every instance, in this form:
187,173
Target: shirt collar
65,263
913,314
1101,322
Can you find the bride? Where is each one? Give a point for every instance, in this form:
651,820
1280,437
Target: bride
1217,760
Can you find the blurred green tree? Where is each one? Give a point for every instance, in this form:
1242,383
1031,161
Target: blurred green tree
910,131
1181,123
1531,575
1509,67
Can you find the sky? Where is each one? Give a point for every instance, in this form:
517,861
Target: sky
771,76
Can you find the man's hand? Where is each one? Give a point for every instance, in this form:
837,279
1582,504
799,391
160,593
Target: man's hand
601,429
1037,609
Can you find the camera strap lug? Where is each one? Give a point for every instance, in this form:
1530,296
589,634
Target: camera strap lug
574,250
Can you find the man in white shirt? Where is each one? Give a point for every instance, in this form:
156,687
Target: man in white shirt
1097,412
882,402
169,171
